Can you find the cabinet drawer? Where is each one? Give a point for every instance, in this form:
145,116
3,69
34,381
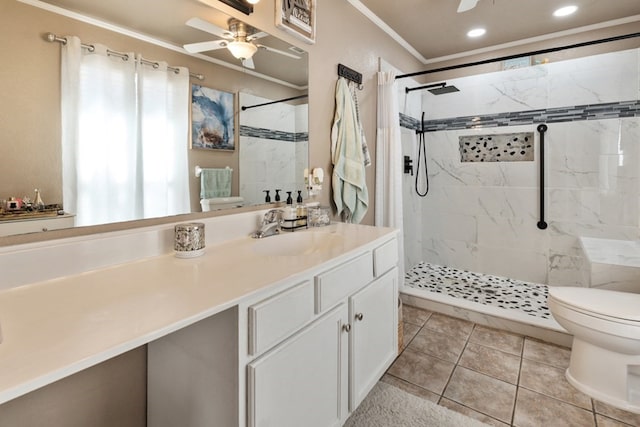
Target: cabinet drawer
277,317
385,257
338,283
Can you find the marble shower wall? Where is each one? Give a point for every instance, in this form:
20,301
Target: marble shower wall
273,148
482,216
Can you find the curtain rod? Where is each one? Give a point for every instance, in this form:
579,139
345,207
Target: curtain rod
54,38
274,102
520,55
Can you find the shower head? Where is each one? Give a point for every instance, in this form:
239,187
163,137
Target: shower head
434,88
444,89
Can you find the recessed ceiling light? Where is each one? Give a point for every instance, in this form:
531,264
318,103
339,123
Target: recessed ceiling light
564,11
476,32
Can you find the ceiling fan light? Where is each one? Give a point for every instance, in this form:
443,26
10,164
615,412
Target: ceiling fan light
242,50
565,11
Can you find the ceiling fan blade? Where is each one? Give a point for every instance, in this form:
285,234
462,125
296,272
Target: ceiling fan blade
248,63
205,46
281,52
208,27
255,36
467,5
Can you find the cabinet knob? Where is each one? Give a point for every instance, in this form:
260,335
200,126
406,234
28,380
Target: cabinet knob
346,327
359,316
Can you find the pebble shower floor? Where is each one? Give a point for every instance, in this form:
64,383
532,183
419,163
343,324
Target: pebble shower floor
509,294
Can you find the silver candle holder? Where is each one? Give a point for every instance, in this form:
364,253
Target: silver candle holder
189,240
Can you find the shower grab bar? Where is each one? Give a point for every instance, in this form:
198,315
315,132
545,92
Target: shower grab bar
542,128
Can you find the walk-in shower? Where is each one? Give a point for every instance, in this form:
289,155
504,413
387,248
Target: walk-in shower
476,233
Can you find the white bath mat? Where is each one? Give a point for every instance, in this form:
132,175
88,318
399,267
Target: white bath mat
389,406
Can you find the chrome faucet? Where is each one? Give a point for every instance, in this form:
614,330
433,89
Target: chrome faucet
271,224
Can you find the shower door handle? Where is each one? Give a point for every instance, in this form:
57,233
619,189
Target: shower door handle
542,128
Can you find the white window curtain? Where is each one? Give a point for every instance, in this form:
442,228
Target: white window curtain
124,137
388,200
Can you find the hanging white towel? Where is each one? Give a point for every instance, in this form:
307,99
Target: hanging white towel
365,148
349,179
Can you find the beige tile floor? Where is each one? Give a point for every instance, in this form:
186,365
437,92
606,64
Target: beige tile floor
498,377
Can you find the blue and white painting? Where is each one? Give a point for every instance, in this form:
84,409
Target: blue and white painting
212,119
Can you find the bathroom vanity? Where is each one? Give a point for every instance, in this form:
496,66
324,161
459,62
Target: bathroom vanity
9,227
293,329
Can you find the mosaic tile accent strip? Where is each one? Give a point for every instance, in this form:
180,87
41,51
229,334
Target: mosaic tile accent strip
506,147
610,110
509,294
409,122
273,134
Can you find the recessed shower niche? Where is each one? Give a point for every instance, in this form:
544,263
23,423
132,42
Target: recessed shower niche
506,147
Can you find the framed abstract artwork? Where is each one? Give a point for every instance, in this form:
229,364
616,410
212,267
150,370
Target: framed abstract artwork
212,118
297,17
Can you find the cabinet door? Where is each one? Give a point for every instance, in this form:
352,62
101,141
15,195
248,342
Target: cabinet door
302,381
373,314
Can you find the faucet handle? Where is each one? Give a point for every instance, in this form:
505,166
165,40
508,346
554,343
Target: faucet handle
272,215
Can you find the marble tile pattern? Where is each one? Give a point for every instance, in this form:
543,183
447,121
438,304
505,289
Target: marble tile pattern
482,216
273,134
498,377
510,294
273,149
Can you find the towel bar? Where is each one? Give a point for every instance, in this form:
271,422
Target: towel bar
198,171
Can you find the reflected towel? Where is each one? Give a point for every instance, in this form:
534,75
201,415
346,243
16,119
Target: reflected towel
215,183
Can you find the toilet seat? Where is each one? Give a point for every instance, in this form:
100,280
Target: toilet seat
612,306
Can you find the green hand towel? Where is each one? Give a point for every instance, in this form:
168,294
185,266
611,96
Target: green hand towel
215,183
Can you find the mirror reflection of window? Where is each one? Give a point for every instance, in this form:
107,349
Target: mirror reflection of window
124,122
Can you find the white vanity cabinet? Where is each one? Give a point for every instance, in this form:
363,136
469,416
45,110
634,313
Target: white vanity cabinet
301,382
319,375
34,225
307,350
373,338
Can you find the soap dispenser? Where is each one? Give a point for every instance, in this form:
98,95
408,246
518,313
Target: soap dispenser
278,190
301,209
289,211
267,198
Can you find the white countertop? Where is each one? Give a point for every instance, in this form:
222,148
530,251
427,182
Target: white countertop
54,328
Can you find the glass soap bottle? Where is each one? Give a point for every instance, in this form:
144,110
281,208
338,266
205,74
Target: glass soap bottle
301,210
290,211
38,203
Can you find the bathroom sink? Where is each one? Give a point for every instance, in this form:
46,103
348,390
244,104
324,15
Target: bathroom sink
296,243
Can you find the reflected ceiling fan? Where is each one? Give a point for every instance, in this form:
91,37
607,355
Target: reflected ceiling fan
238,39
467,5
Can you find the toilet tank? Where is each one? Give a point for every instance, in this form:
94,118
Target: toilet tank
217,203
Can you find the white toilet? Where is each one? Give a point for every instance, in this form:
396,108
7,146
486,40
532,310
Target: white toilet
605,356
219,203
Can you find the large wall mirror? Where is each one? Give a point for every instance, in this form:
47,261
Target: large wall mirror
270,133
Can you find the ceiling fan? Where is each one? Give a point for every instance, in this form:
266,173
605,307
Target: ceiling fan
238,39
467,5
